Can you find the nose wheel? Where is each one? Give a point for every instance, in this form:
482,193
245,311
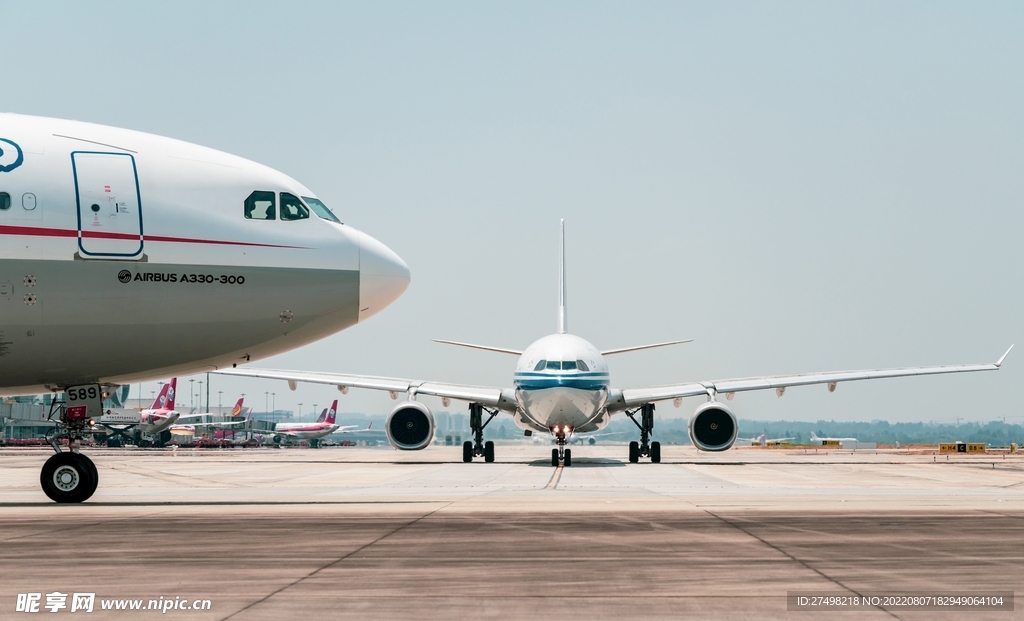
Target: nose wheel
477,447
561,455
644,448
69,477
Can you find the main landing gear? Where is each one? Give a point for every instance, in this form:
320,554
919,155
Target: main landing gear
69,476
644,448
477,447
561,454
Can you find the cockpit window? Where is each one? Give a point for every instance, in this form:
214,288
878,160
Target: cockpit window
554,364
260,206
540,365
292,208
568,365
582,366
320,209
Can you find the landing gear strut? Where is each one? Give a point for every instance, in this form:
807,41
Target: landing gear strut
68,476
644,448
561,454
478,448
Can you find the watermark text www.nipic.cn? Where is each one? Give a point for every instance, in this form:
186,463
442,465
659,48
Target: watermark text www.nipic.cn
87,602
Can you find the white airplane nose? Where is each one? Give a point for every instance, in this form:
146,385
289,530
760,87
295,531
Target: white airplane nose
383,276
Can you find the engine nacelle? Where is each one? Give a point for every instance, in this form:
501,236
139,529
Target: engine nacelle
713,427
410,426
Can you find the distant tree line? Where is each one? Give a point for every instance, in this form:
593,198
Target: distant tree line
674,430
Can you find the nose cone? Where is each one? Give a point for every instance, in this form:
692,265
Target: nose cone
383,276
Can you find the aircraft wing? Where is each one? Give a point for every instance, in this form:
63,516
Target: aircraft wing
632,397
233,423
478,394
185,418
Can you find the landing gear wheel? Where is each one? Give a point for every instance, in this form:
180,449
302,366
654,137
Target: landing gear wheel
69,477
554,457
567,461
655,452
476,425
643,448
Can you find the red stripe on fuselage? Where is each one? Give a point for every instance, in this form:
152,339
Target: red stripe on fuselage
37,231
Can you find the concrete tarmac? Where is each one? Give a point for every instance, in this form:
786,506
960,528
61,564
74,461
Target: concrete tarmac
371,533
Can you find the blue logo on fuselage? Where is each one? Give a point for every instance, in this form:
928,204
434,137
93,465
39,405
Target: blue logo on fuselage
10,156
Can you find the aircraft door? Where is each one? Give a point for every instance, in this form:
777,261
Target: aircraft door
109,204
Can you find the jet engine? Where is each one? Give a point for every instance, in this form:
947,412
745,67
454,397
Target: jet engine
713,427
410,426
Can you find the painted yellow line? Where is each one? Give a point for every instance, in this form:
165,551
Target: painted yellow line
554,477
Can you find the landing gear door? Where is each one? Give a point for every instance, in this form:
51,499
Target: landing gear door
109,204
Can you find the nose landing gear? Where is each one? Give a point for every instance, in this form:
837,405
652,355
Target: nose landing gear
644,448
561,454
68,476
478,448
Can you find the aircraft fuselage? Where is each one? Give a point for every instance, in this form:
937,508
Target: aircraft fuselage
126,257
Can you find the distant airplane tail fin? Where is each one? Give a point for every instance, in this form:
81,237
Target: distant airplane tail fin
332,413
323,416
165,400
237,410
814,437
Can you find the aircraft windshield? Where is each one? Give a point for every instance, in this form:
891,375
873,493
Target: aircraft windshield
564,365
320,209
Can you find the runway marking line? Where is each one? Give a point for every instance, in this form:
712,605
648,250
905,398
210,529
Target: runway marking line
335,562
553,483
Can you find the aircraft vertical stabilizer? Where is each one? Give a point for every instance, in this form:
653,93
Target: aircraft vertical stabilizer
563,321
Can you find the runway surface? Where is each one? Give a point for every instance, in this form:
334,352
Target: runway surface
376,534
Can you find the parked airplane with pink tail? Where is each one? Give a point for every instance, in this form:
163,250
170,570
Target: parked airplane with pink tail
154,420
324,426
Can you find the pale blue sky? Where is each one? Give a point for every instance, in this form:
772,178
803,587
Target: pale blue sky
797,186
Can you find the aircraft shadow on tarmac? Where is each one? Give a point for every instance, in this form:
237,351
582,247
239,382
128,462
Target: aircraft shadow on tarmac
581,462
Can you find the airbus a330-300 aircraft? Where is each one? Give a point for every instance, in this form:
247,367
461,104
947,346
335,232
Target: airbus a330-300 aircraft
561,386
127,257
